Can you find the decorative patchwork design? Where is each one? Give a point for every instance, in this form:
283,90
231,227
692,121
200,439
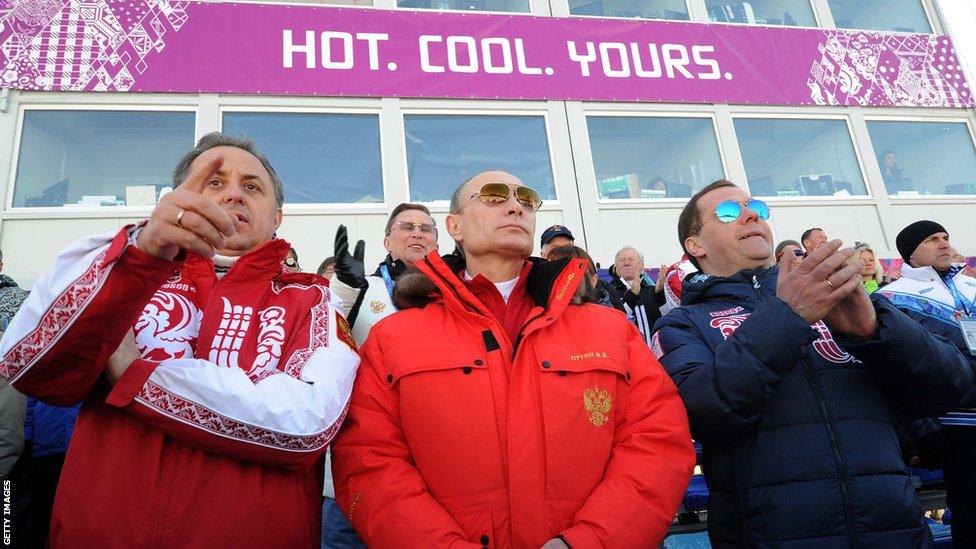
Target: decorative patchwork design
83,45
881,70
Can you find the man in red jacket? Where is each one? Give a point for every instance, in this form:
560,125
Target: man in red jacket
205,427
500,407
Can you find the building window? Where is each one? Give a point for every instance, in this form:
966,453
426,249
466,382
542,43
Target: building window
881,15
925,157
513,6
653,157
791,13
445,150
98,158
675,10
320,158
790,157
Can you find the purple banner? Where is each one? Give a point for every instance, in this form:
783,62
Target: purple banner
170,46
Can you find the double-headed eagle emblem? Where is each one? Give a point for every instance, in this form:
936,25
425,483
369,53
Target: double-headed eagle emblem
597,403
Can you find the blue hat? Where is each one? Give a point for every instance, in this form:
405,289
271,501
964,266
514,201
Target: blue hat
553,232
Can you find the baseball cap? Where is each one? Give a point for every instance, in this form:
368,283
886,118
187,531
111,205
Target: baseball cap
553,232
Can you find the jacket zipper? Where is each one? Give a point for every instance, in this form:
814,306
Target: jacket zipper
845,488
838,457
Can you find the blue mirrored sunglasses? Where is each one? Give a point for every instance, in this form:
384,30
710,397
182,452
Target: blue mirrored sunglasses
729,211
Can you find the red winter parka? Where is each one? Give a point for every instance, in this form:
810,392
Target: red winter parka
459,437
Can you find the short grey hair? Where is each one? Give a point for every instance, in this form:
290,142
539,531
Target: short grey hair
457,199
219,139
640,256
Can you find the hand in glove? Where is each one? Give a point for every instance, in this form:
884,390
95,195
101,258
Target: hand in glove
349,269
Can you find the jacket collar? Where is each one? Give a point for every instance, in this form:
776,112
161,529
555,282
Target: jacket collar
551,284
261,262
396,267
929,274
699,287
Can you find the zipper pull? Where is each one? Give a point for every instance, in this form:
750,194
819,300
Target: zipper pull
755,282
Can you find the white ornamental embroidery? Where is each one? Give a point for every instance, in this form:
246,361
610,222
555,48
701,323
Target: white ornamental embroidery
234,323
270,339
167,327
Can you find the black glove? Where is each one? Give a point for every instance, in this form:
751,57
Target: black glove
349,269
933,450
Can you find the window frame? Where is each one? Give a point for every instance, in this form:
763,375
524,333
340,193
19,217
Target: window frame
945,119
634,113
76,210
927,11
443,206
687,3
818,20
806,114
318,207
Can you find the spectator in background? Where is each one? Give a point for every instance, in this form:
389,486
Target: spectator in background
957,259
870,267
326,268
789,247
13,405
642,300
605,294
890,172
554,236
813,239
934,292
50,428
291,261
454,439
789,376
558,236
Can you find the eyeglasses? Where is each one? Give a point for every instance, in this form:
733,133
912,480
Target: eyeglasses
730,210
498,193
409,226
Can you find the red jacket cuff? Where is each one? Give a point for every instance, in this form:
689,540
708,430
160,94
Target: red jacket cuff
131,382
581,536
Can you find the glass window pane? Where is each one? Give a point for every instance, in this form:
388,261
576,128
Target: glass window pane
444,150
786,157
320,158
99,157
651,157
925,157
518,6
676,10
882,15
791,13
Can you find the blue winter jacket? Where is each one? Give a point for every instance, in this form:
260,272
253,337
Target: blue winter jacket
799,448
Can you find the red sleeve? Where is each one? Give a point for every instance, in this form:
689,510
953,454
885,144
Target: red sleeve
376,484
653,459
57,345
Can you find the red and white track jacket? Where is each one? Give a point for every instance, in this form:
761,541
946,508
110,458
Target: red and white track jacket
214,437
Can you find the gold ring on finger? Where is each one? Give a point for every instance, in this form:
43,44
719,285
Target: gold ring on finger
829,283
179,218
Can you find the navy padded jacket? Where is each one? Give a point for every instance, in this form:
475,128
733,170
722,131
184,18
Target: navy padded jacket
799,448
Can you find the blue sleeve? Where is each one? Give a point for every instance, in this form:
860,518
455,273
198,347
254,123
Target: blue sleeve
921,373
726,392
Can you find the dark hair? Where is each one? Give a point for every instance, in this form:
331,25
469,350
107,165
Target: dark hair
218,139
406,206
783,244
588,293
325,265
560,252
806,235
690,220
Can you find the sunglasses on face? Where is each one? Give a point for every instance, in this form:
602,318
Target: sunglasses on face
291,262
409,226
499,193
730,210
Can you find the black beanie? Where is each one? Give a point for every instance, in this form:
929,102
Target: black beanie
911,236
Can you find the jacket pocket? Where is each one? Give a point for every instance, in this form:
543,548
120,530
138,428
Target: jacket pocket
582,390
447,415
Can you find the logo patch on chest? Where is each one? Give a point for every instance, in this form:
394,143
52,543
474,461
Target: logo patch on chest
597,402
377,307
